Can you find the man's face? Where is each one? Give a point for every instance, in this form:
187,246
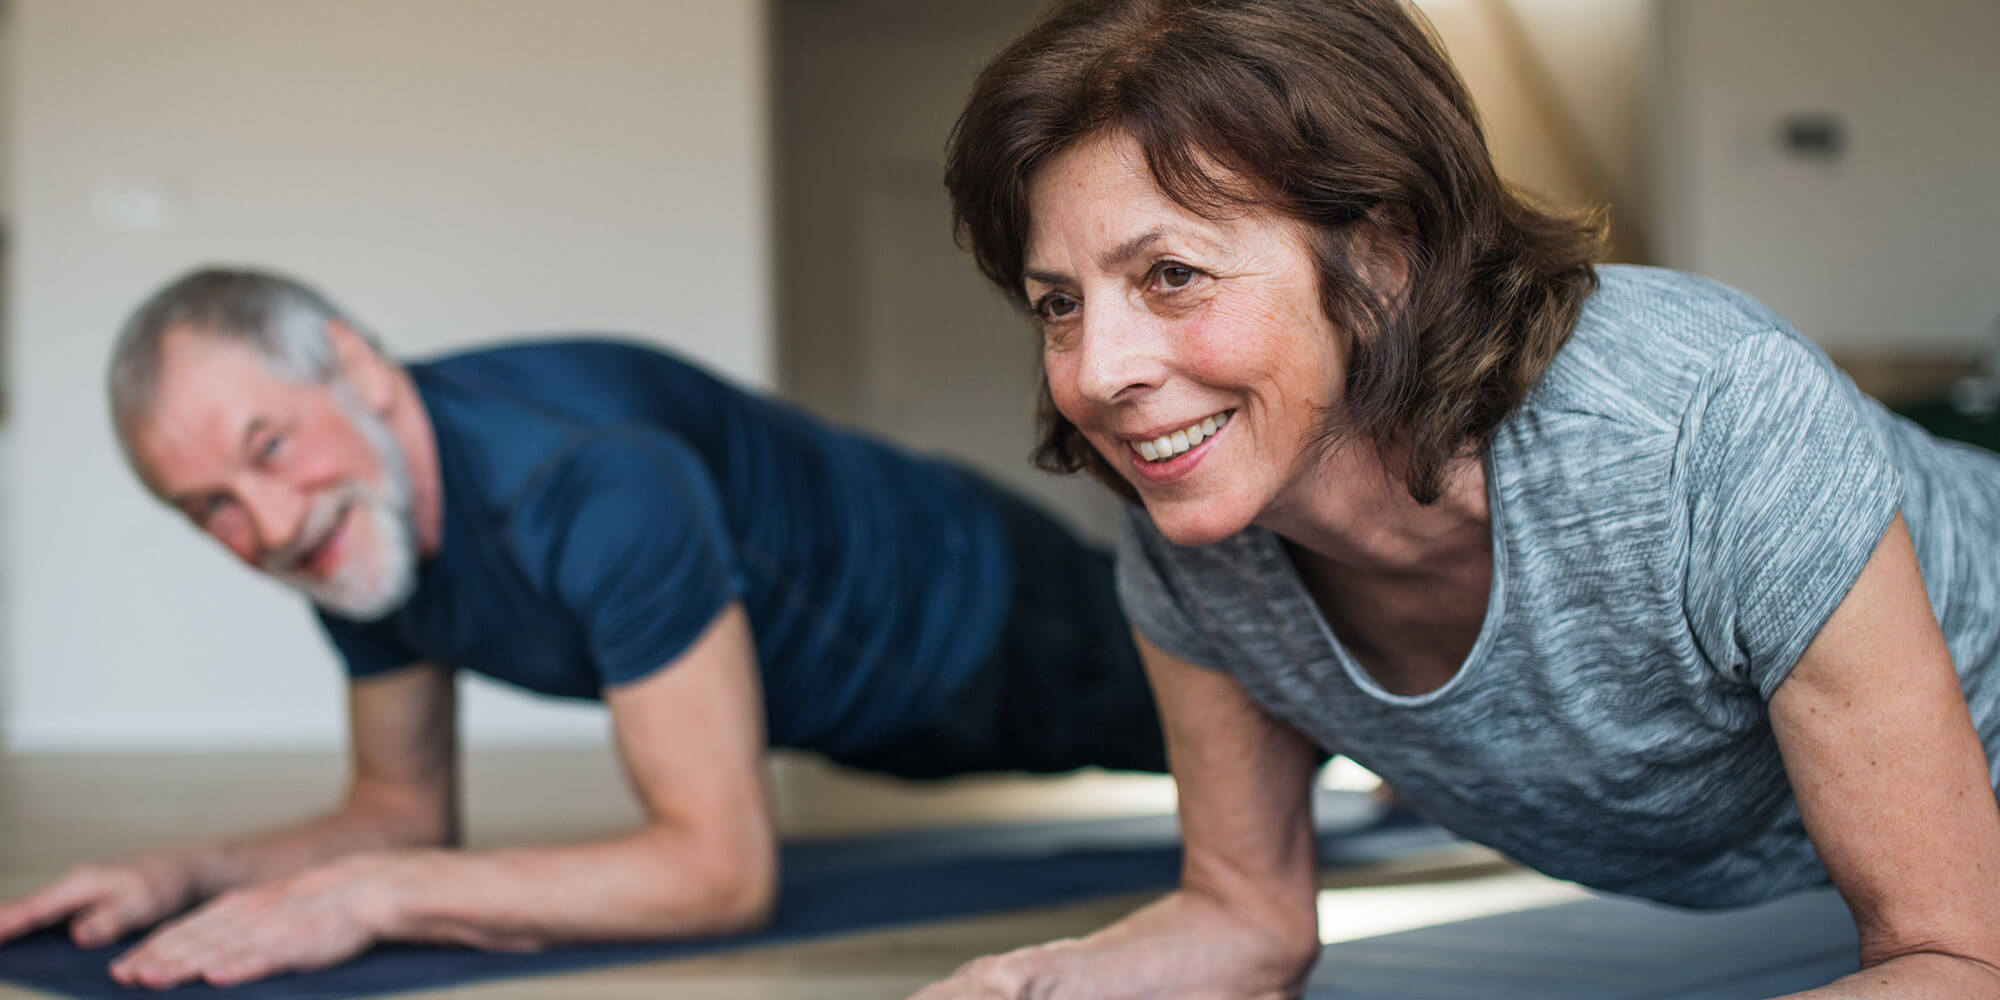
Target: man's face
299,480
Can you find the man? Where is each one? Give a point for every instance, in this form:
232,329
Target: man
590,520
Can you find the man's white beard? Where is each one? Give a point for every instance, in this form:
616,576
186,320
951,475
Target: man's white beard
371,583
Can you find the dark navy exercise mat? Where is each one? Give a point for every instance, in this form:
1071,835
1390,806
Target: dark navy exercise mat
831,886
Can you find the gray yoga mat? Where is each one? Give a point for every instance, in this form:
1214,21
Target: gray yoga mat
1602,949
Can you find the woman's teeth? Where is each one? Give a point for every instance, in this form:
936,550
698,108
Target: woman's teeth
1166,446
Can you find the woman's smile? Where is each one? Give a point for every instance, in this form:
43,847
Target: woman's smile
1191,352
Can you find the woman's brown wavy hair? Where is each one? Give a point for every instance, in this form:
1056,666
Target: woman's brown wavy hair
1342,114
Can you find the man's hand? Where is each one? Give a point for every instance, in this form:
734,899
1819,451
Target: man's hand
315,918
104,902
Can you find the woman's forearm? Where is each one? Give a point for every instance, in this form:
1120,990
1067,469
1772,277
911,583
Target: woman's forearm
1931,975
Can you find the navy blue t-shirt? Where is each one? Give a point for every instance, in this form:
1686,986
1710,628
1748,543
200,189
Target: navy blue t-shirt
604,501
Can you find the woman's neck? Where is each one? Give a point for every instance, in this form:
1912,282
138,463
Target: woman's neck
1354,512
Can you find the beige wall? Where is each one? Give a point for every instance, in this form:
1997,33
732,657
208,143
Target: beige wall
447,170
885,322
1894,247
1560,86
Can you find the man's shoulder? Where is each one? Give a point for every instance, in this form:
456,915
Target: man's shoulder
524,361
508,416
631,482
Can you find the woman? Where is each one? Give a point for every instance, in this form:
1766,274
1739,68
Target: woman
1604,567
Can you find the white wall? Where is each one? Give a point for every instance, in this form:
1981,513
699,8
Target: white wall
1893,247
445,170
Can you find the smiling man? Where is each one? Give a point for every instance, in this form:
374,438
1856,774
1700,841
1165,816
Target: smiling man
583,519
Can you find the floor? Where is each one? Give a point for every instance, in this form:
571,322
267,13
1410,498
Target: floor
59,809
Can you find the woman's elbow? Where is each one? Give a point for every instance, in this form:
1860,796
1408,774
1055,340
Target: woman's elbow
1289,959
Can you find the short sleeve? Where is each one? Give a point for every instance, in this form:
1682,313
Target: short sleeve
1790,490
1152,591
366,648
638,553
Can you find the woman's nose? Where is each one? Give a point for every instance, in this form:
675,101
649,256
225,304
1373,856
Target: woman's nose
1123,353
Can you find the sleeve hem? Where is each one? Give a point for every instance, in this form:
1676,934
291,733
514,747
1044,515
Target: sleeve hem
633,668
1794,645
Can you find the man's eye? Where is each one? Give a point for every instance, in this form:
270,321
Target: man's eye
1176,275
270,447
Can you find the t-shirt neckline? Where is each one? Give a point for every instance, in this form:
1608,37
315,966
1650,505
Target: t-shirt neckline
1489,627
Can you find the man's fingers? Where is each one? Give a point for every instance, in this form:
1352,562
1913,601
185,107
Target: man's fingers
225,948
170,955
111,917
265,958
40,909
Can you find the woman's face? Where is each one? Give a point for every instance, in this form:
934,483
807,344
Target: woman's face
1191,352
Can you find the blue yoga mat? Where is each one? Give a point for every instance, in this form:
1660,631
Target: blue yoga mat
830,887
1602,949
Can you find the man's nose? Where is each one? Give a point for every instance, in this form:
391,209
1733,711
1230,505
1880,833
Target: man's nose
276,511
1124,353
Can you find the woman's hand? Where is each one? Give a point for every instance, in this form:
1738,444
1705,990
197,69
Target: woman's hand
1243,924
1011,976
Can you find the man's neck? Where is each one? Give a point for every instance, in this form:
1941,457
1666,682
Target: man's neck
411,424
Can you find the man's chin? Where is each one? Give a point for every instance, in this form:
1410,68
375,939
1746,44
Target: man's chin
354,603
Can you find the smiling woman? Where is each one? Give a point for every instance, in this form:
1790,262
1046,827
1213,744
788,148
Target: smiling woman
1605,567
1193,324
1396,180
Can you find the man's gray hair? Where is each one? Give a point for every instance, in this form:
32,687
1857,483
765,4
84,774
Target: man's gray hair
281,320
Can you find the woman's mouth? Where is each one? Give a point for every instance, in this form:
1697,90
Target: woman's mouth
1167,447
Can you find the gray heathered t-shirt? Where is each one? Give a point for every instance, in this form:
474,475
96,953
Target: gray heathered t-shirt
1676,508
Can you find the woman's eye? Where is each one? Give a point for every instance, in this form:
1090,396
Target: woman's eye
270,447
1176,275
1054,307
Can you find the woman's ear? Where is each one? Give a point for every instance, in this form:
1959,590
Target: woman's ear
361,366
1382,250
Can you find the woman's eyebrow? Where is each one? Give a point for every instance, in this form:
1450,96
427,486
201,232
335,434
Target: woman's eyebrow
1109,260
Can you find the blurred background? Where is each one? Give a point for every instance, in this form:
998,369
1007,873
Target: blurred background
756,184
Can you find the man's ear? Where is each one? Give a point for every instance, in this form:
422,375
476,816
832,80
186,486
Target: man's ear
360,365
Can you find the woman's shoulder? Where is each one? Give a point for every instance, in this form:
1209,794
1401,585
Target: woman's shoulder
1645,342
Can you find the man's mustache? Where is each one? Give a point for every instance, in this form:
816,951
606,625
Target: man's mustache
320,521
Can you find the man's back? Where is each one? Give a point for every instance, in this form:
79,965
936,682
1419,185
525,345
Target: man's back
602,501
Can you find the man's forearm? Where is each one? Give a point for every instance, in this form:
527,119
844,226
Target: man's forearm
360,824
654,883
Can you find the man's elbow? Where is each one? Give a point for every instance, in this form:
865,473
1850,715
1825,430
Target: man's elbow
405,819
745,893
716,891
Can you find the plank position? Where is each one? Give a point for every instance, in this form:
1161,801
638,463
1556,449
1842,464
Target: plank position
583,519
1605,567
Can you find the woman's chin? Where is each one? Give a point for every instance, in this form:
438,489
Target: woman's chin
1190,524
